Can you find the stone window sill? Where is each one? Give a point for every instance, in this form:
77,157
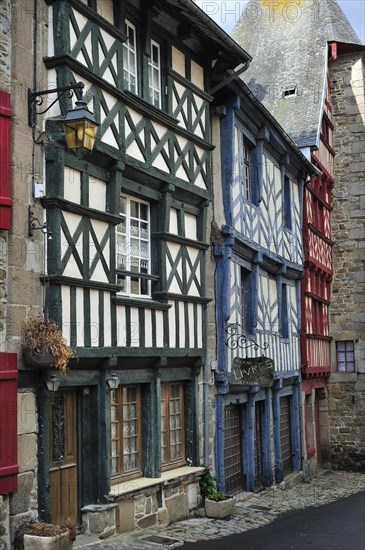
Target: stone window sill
135,485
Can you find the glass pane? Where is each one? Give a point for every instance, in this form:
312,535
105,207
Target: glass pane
126,463
114,466
134,209
341,356
125,411
350,367
134,286
341,367
340,346
143,212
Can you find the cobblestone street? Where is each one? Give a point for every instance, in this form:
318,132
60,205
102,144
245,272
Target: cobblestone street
251,511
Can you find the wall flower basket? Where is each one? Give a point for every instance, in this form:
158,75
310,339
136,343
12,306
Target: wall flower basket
37,535
44,345
38,360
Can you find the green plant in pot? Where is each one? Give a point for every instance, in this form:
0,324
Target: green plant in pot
45,345
217,504
37,535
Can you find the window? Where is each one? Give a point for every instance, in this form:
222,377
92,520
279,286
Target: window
246,172
345,352
284,312
172,425
246,313
125,431
154,75
130,59
287,206
133,247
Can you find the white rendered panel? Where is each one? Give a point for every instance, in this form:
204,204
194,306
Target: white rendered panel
197,75
178,61
174,250
94,318
191,325
50,98
80,317
148,332
135,328
172,325
190,227
107,320
173,228
200,325
159,329
121,326
72,185
50,32
66,313
181,324
97,194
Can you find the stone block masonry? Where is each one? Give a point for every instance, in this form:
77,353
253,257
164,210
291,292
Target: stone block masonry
347,313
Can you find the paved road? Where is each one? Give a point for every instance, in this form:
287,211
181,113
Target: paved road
339,525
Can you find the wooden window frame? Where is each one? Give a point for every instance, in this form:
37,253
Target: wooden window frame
165,406
127,241
151,68
128,51
349,359
119,405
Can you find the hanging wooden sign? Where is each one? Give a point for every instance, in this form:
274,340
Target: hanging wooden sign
253,371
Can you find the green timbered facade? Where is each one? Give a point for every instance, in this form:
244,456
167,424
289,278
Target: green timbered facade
126,273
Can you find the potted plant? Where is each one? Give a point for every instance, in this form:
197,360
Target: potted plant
217,504
37,535
44,344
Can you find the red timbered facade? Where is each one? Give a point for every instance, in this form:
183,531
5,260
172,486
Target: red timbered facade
316,292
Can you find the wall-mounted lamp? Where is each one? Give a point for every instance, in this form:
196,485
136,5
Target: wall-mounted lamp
112,383
53,383
34,224
79,124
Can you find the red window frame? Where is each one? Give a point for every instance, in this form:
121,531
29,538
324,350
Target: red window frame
345,356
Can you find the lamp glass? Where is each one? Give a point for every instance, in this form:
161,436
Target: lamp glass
113,382
53,383
80,129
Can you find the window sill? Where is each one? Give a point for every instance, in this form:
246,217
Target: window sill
139,302
135,485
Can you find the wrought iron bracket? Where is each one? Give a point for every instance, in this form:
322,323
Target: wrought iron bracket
35,99
237,338
34,224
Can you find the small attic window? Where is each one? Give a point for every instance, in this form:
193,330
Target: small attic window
287,92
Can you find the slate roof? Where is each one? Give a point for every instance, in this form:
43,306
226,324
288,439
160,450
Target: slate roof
288,45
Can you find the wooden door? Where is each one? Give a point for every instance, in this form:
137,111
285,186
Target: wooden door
63,457
285,434
259,466
233,471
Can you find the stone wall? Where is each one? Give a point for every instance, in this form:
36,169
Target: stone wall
159,504
347,315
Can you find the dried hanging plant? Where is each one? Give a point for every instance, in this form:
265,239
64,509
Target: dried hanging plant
41,337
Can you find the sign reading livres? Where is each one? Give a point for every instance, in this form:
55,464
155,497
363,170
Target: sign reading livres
253,371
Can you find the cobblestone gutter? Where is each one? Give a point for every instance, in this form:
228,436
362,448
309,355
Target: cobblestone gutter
250,513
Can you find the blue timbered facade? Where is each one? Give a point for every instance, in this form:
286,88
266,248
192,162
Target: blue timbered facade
126,271
259,264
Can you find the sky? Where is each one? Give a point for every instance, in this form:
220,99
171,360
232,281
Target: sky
226,13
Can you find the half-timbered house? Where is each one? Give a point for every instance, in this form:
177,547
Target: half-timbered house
259,264
292,79
124,272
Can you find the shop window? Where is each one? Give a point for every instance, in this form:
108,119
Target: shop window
345,352
125,428
172,425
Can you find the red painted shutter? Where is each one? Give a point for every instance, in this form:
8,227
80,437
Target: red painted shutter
8,423
5,199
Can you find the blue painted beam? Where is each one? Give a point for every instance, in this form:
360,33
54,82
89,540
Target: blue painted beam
279,469
295,429
266,446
